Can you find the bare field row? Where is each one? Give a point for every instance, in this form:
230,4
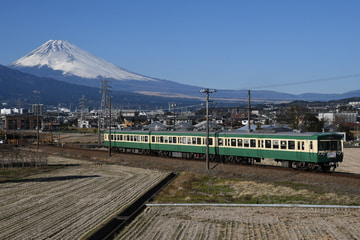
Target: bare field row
68,203
244,223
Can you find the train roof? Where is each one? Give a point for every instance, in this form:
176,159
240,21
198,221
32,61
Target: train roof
234,133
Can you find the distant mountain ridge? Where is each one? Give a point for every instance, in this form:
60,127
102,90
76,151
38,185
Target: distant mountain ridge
66,62
29,89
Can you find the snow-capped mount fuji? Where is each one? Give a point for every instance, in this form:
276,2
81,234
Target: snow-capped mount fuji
60,55
66,62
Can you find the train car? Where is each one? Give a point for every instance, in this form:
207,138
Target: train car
300,150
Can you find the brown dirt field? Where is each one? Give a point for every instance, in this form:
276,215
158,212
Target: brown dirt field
244,223
69,202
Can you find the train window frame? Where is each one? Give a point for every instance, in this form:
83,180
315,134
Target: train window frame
233,142
121,137
291,144
166,139
246,143
253,143
210,141
138,138
146,138
220,142
283,144
188,140
267,143
153,139
198,140
174,139
170,139
193,140
239,142
275,144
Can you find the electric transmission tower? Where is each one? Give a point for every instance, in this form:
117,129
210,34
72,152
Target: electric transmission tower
104,90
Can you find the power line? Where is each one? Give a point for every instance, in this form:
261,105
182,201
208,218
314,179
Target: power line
301,82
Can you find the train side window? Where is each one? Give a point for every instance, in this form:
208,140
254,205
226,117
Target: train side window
311,145
138,138
112,137
166,139
291,145
121,137
283,144
298,145
146,138
161,139
174,139
193,140
268,143
239,142
189,140
233,142
252,143
220,141
170,139
302,145
152,138
276,144
246,142
210,141
184,140
198,141
131,138
128,137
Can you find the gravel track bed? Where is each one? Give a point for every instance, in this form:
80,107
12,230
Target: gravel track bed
69,202
244,223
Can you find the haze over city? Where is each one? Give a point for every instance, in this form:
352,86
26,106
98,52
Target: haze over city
294,47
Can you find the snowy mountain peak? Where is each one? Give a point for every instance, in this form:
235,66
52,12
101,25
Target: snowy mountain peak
64,56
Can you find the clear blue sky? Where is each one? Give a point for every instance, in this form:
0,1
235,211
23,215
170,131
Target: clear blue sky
309,45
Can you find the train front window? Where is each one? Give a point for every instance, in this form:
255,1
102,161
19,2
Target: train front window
329,145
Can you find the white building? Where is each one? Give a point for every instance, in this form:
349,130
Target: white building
331,117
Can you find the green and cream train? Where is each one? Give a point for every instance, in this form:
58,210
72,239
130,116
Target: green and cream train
300,150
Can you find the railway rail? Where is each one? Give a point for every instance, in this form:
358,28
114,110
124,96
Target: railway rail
100,156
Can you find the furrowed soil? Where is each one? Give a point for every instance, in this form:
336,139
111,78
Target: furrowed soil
71,201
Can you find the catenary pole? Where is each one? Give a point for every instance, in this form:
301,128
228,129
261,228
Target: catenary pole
109,126
207,91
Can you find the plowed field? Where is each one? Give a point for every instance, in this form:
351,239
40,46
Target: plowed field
69,202
244,223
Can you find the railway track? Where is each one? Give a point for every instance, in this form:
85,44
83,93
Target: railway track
100,156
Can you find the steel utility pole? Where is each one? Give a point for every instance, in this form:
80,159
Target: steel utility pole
37,125
173,106
249,112
207,91
109,126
